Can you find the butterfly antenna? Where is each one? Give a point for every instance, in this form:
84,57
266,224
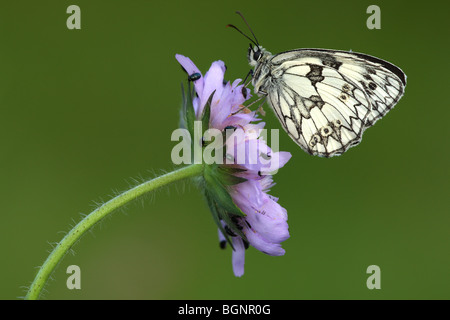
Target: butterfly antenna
234,27
248,26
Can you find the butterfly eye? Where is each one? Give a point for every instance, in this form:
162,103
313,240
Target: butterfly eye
257,55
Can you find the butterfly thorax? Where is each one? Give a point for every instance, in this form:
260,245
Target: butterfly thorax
259,58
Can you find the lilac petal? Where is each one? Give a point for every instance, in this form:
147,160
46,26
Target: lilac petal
256,127
222,108
239,98
238,256
276,161
270,222
248,195
254,147
233,142
246,146
250,175
221,237
239,119
266,183
191,68
196,104
221,64
213,82
257,241
267,221
235,83
249,152
283,158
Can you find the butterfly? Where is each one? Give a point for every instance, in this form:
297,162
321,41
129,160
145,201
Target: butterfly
325,99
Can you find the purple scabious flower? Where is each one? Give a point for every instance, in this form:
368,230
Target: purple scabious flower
237,189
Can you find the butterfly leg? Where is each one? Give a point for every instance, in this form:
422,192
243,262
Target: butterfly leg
244,91
250,73
261,110
247,110
260,107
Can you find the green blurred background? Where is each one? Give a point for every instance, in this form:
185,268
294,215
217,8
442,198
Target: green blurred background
83,112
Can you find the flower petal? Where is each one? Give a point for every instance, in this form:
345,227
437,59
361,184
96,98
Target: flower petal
272,249
222,239
248,196
270,221
238,256
276,161
191,68
213,82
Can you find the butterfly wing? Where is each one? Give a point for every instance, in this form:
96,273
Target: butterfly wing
325,99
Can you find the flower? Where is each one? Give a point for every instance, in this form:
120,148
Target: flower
237,189
227,99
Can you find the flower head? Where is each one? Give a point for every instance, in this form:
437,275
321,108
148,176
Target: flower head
237,188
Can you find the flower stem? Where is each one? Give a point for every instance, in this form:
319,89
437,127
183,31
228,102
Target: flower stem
90,220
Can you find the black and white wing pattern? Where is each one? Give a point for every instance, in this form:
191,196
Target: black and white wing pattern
325,99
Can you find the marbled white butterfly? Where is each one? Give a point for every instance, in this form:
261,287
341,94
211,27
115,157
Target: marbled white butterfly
325,99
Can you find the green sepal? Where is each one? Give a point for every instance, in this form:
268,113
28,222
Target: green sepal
220,214
189,112
227,174
188,118
206,114
183,122
216,217
220,199
216,182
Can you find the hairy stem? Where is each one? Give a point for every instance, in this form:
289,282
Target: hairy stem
90,220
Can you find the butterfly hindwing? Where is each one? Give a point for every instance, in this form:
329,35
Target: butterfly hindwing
325,99
383,82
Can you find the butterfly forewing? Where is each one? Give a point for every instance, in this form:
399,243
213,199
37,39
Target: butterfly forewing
325,99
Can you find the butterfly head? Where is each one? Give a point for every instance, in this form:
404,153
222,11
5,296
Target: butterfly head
254,54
